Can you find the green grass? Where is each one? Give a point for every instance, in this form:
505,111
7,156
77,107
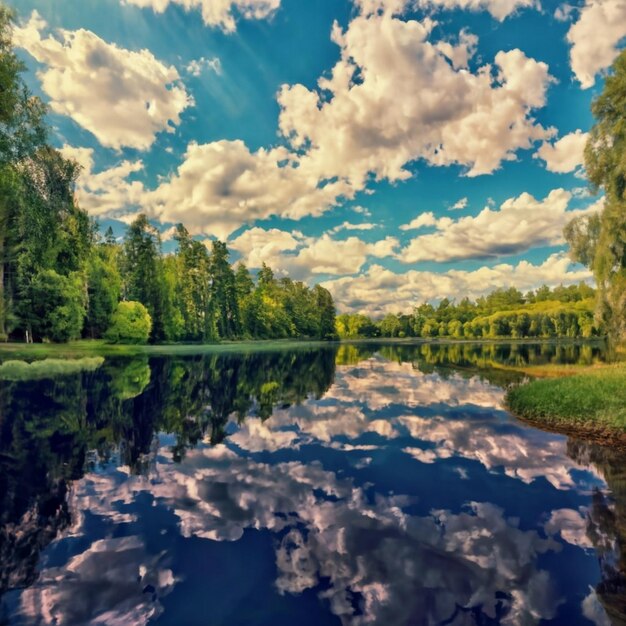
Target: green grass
86,347
47,368
591,401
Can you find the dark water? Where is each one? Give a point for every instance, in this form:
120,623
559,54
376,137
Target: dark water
353,486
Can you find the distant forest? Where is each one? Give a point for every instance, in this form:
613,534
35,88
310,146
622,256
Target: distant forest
544,313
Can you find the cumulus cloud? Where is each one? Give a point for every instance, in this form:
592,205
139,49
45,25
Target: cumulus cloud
394,97
380,290
217,13
123,97
421,221
107,192
300,256
221,185
564,155
595,37
351,226
499,9
519,224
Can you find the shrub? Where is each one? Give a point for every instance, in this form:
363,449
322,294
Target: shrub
130,323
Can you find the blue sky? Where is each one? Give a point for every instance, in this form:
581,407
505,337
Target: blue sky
395,150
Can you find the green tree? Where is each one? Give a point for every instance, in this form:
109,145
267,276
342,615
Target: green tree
390,325
326,311
22,133
130,323
223,293
58,305
600,242
142,279
104,284
193,287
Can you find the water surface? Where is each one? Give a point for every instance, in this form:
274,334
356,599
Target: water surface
353,485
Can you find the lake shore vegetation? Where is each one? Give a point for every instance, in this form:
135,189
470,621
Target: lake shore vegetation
593,401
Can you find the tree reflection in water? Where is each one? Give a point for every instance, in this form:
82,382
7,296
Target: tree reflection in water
55,432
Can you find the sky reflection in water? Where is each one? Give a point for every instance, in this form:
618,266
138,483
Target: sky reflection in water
311,487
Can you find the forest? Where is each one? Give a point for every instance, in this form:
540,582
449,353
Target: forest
544,313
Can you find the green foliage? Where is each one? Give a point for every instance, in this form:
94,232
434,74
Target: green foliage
192,282
600,241
47,368
223,292
104,289
559,312
131,379
142,272
326,308
56,305
131,323
592,400
352,326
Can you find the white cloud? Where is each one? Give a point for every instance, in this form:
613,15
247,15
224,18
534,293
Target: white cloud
110,576
121,96
499,9
394,97
350,226
217,13
197,67
459,205
380,290
519,224
564,12
422,220
461,53
109,191
300,256
564,155
595,38
221,185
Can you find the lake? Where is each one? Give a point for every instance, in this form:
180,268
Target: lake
351,485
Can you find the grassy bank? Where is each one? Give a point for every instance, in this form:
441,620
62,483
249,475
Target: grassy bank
97,347
575,399
87,347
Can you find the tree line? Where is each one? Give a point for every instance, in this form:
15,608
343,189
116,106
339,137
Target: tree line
544,313
194,294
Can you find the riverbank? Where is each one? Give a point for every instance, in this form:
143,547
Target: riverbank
98,347
588,401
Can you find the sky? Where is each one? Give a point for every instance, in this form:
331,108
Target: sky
395,151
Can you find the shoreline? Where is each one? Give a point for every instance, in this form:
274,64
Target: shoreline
98,346
584,401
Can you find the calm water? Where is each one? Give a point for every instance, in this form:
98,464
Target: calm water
353,486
